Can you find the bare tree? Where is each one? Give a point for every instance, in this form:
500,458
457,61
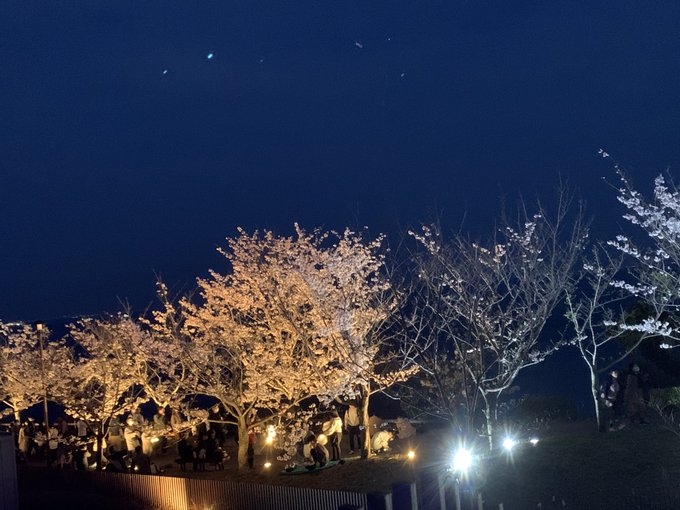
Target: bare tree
424,327
496,297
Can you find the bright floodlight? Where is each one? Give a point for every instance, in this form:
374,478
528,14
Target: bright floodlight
534,441
155,439
269,440
462,460
267,465
509,443
411,454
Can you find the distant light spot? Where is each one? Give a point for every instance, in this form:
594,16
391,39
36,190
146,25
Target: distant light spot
210,56
165,71
403,74
261,61
358,44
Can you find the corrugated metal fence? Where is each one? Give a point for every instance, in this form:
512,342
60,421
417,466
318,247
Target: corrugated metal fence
171,493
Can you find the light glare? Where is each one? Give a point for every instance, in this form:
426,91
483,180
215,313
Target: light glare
509,443
534,441
267,465
462,460
411,454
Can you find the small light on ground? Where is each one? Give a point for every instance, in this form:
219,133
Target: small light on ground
462,460
509,443
267,465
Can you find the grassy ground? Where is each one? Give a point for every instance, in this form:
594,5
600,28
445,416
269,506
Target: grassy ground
637,467
572,462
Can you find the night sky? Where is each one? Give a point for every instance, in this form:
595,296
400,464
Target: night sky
376,113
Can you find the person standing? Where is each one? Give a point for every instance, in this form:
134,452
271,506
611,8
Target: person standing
81,429
332,428
608,396
251,448
52,445
352,424
24,440
633,399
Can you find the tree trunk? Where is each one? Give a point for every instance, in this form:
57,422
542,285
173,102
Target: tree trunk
600,412
242,457
491,415
98,454
366,394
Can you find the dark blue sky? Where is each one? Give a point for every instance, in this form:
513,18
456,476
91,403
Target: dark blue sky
111,170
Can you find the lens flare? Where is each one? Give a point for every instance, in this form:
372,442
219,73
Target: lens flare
462,460
509,443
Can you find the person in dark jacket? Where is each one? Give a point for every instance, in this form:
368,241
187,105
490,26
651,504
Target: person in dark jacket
633,398
609,394
185,451
141,462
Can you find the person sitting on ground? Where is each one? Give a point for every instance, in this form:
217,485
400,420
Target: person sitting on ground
116,462
141,462
318,453
381,441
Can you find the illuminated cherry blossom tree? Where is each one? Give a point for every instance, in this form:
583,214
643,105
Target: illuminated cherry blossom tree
162,357
356,303
22,379
102,378
296,318
495,298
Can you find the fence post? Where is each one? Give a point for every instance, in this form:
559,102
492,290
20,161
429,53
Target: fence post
378,501
404,496
431,493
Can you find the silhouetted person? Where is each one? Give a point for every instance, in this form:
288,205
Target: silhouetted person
141,462
633,399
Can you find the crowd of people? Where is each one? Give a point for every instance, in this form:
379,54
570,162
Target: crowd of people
132,443
127,446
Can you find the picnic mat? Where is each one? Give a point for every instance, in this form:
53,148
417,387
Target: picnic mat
302,470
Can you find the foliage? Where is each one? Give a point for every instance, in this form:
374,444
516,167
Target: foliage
297,317
101,378
23,382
